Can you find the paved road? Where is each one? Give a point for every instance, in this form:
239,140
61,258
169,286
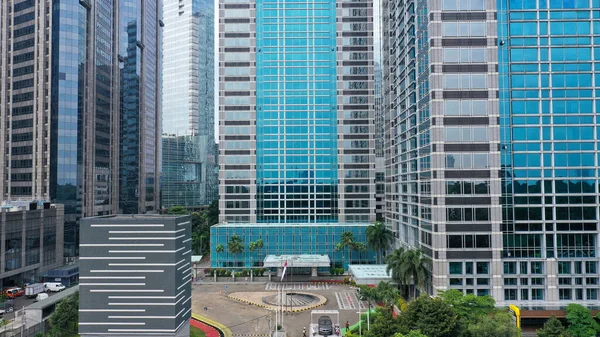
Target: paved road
21,302
348,301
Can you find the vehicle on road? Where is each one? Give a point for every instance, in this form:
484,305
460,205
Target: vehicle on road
14,292
34,289
41,297
7,306
54,286
325,326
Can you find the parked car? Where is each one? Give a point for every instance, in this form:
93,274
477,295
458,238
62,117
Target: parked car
14,292
7,306
325,326
54,286
41,297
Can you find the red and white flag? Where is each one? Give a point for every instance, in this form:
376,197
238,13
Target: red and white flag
284,269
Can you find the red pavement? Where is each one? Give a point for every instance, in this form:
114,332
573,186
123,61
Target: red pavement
209,331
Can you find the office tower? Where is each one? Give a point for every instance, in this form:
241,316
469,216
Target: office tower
140,64
297,131
32,233
135,276
490,144
66,81
189,177
379,141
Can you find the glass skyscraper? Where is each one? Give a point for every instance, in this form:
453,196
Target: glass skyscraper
189,176
297,132
59,105
492,144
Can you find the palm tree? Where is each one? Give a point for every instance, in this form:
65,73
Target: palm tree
220,248
394,266
346,242
415,267
235,245
380,238
253,246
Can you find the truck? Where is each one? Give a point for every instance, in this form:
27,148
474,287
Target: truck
33,289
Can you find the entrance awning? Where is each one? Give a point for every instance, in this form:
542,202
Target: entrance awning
303,260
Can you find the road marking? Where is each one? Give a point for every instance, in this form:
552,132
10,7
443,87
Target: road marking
348,301
296,286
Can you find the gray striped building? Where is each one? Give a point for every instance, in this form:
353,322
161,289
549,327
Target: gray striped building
135,276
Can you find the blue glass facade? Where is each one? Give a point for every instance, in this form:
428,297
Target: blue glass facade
548,104
296,132
139,111
287,240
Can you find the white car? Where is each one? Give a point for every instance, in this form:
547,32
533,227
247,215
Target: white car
54,286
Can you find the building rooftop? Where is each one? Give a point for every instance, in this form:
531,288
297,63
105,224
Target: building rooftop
138,216
369,271
304,260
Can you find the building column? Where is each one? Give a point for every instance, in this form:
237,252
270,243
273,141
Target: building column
279,272
314,272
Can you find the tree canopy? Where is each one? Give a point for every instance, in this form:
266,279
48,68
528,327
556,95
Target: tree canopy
552,328
380,238
581,322
498,324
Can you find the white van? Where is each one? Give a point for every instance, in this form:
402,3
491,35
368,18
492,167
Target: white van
54,286
41,297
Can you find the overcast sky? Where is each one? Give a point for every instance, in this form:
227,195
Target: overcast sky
376,10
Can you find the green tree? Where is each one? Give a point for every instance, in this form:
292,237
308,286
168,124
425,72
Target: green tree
415,268
383,324
412,333
212,213
469,308
220,248
66,315
348,242
499,324
255,246
552,328
394,266
380,238
581,322
432,316
235,245
177,210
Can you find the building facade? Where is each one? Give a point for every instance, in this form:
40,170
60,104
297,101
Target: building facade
490,147
189,177
32,241
135,276
296,106
61,106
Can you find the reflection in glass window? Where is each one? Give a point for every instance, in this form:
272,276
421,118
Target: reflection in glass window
463,29
465,81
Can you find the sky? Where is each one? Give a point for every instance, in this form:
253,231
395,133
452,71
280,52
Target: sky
377,42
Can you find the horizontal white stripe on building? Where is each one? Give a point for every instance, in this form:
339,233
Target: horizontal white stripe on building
185,313
112,284
184,241
131,225
122,245
139,304
142,317
112,310
127,291
183,223
146,251
126,271
112,277
143,297
146,238
184,283
142,264
146,232
111,323
113,258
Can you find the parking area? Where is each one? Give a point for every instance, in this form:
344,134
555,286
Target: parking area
243,319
